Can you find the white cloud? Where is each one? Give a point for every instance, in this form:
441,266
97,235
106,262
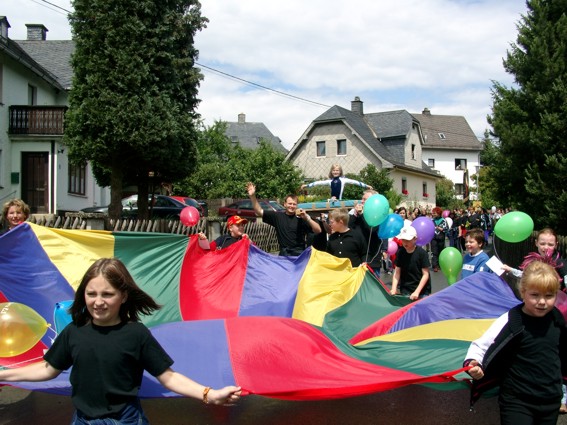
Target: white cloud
407,54
441,53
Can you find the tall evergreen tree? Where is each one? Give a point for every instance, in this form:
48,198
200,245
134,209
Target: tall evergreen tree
132,104
530,118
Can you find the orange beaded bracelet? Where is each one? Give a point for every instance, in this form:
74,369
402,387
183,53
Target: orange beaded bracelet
206,395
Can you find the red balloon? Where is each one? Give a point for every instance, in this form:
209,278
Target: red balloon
189,216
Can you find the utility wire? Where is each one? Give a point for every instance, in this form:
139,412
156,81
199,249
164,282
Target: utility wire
233,77
54,5
224,74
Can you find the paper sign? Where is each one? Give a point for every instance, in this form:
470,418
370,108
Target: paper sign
495,265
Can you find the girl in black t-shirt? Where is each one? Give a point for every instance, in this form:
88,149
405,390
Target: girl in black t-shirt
105,314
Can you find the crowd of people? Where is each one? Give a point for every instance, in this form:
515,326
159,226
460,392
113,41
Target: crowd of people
521,352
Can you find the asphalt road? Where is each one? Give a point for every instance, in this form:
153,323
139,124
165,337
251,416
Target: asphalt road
409,405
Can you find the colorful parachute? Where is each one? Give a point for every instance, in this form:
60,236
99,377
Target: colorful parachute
307,327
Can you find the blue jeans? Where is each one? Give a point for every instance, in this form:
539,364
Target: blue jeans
132,414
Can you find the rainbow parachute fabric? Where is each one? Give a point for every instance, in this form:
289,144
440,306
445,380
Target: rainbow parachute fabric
299,328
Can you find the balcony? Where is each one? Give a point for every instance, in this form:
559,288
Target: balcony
37,120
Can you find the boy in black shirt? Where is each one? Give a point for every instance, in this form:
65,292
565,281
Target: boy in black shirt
344,242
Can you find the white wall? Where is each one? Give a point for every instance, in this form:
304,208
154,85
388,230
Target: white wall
16,79
445,163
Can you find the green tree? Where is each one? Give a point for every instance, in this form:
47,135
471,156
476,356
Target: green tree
224,169
529,119
486,181
445,194
132,105
379,179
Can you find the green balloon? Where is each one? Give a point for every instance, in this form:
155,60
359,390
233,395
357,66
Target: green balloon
451,262
515,226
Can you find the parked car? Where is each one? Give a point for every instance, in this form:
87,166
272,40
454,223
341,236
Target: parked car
204,206
244,208
190,202
163,207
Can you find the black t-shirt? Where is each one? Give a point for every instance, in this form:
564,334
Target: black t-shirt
375,245
535,373
349,244
108,364
290,230
411,266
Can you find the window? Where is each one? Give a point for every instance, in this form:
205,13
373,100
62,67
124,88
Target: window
442,136
234,139
77,179
459,188
431,162
32,95
321,149
412,151
1,82
424,190
341,147
460,164
404,186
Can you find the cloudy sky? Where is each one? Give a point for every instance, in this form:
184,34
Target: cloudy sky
312,54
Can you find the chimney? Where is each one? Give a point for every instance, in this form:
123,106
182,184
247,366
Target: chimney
36,32
356,106
4,25
241,118
426,111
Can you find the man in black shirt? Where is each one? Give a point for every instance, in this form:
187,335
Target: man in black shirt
292,225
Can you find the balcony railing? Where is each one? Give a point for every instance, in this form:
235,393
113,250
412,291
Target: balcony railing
37,120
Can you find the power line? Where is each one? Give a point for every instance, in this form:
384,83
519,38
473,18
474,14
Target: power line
40,3
233,77
57,6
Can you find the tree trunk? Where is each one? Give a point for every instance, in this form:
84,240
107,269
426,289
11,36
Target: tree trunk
143,211
116,178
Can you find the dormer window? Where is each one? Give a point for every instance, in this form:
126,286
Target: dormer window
442,136
412,151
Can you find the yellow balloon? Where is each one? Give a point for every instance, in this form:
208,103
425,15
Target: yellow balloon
20,328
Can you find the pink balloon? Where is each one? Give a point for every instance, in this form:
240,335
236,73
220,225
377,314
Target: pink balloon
392,248
189,216
425,230
446,213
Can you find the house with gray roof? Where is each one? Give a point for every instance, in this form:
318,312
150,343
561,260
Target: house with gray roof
249,134
450,147
36,76
389,140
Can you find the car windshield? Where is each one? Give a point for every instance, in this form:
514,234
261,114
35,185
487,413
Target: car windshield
276,206
191,202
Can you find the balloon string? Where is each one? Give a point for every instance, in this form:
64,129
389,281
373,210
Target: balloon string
368,248
20,363
494,238
49,327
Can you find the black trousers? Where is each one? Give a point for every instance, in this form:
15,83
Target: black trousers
437,245
514,411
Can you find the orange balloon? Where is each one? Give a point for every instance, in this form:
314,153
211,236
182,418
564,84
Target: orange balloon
20,328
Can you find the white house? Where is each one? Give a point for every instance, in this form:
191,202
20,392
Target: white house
450,147
389,140
35,78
